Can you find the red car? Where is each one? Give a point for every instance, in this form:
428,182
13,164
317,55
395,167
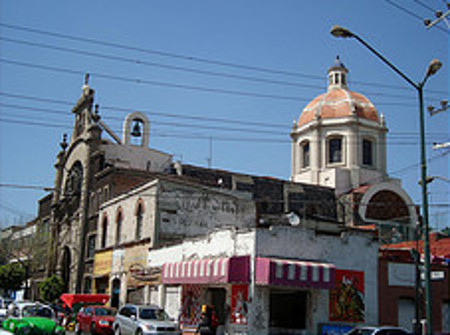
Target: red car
95,320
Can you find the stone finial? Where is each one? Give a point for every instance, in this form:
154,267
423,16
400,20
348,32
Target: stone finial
96,116
86,79
382,119
64,144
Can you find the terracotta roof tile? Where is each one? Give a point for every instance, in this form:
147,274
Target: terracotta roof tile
338,103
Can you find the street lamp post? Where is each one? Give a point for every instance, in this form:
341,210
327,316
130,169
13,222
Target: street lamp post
433,67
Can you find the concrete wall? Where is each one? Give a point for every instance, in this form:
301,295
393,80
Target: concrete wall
136,157
348,251
192,211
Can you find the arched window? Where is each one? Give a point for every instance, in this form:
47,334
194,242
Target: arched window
367,154
139,218
104,232
119,220
304,154
335,154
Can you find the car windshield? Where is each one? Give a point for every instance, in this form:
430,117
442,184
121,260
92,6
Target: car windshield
104,312
36,310
153,314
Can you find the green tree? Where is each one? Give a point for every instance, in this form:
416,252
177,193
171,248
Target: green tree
51,288
26,245
12,276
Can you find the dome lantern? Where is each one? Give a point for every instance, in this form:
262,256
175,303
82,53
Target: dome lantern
337,75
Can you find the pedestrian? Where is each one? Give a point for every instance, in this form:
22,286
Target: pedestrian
204,327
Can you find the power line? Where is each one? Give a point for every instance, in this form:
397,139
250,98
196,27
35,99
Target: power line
189,70
424,5
152,82
183,57
172,85
410,13
178,116
405,142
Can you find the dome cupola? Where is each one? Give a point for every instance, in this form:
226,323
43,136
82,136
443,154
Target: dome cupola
337,75
339,139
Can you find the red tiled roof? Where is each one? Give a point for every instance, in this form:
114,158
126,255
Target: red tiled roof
338,103
439,246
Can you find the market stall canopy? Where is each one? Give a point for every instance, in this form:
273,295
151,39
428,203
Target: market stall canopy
70,299
284,272
206,271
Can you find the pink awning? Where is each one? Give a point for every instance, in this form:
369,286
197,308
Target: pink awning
282,272
205,271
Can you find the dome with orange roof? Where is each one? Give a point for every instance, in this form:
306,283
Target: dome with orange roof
338,101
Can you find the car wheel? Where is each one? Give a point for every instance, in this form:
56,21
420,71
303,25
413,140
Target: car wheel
117,331
139,331
93,328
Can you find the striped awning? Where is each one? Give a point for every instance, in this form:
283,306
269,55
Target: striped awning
204,271
282,272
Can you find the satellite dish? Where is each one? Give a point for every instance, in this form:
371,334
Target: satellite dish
293,219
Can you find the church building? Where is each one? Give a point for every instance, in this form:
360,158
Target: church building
339,141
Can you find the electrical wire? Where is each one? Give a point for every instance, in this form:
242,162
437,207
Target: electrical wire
185,69
410,13
411,136
186,57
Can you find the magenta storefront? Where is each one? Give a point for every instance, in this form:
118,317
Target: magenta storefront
220,282
224,283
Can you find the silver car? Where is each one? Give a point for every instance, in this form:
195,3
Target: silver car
144,320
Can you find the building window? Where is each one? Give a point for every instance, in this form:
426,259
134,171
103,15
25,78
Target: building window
119,227
139,218
305,154
367,152
90,247
104,232
87,285
335,150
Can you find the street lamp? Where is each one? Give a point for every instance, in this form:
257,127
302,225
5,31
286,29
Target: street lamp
433,67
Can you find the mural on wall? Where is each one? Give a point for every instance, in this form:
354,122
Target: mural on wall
239,304
347,297
191,308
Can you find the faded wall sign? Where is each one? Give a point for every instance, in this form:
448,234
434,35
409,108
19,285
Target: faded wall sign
347,301
102,263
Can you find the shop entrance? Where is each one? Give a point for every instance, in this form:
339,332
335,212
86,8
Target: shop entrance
115,293
288,309
216,298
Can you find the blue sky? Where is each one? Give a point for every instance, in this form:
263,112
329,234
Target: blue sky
253,63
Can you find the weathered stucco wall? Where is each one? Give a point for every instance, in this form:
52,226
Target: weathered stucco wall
347,251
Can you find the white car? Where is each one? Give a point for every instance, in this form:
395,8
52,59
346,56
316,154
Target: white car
144,320
385,330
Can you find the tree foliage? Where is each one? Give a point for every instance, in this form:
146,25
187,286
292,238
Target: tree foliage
51,288
12,276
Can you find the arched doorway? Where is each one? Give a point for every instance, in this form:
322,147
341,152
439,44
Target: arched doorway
65,268
115,293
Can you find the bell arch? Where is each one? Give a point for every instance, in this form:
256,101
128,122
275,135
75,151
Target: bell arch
137,125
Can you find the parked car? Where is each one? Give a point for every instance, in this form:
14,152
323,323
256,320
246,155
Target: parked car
144,320
4,303
96,320
20,310
32,326
386,330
